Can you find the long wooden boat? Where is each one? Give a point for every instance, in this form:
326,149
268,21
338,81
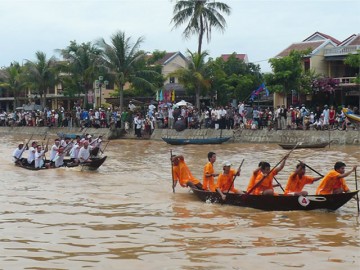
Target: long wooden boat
182,141
92,166
304,145
279,202
354,118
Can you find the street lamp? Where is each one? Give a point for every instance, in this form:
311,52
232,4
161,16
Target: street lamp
99,84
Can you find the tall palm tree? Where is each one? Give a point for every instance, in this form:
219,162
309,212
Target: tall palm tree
11,78
41,75
120,57
82,62
202,16
193,77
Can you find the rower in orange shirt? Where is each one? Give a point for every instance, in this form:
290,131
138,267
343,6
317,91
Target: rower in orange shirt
209,173
225,181
253,177
263,181
297,180
182,173
334,181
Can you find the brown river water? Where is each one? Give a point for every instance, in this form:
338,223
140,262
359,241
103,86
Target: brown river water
125,215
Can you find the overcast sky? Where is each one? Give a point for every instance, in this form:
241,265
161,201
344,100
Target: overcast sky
258,28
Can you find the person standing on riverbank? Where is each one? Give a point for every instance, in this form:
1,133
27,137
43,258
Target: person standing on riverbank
209,173
334,182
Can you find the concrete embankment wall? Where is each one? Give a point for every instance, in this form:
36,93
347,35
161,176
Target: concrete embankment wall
241,136
266,136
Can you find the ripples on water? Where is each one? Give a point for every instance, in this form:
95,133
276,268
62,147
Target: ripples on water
125,216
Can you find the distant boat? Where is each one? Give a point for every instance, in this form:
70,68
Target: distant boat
182,141
303,145
354,118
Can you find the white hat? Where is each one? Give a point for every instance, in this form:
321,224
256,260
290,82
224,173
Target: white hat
226,163
20,143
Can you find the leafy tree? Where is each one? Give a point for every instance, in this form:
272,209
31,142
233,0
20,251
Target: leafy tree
121,57
287,72
201,16
41,74
353,60
82,64
193,77
12,79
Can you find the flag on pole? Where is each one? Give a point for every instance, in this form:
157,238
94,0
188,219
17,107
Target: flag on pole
173,95
257,91
161,97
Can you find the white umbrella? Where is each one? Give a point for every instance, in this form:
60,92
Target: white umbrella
183,103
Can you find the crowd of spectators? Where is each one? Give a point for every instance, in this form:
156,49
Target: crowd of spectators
144,119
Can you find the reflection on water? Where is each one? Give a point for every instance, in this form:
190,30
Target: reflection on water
125,216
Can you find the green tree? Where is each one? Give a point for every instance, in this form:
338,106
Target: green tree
287,73
81,67
12,79
193,77
121,57
201,16
353,60
41,75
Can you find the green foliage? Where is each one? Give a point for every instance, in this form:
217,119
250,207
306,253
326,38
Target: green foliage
201,17
353,60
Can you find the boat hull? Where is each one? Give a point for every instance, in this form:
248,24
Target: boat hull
92,166
303,145
180,141
279,202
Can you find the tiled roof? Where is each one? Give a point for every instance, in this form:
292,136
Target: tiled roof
301,46
166,57
225,57
355,41
325,36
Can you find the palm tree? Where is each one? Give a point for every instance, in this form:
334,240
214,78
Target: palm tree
41,75
82,62
121,58
193,77
202,16
11,78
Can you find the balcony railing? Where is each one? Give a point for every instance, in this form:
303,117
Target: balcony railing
342,50
346,81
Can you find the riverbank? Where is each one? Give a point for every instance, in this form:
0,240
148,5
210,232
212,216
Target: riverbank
350,137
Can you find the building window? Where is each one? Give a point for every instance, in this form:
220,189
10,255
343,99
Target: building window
307,65
172,79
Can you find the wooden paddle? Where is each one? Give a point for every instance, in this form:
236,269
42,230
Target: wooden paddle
172,172
235,177
307,166
278,184
262,179
24,148
357,194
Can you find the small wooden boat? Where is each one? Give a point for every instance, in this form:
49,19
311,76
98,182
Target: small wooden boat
304,145
69,135
92,166
279,202
354,118
182,141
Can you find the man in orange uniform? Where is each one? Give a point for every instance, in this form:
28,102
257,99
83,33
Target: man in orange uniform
209,173
334,181
297,180
253,177
263,181
182,173
225,181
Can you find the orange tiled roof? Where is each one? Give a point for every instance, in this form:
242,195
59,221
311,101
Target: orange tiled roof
241,56
301,46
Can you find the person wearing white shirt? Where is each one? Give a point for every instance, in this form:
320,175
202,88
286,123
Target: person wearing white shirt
39,156
84,153
18,152
31,154
54,149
